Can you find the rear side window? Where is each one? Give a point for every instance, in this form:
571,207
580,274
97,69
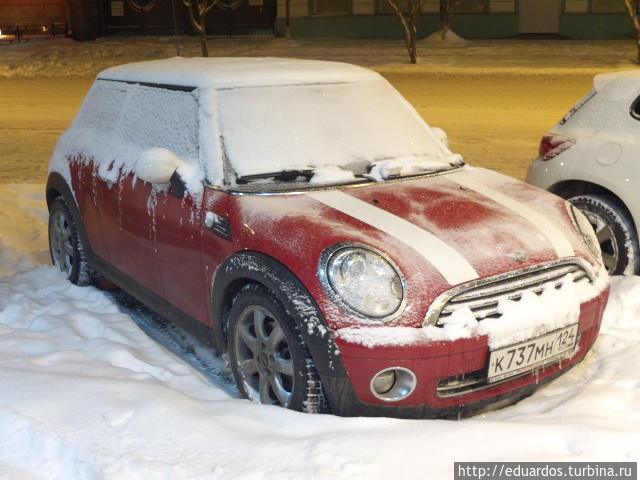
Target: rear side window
157,117
102,108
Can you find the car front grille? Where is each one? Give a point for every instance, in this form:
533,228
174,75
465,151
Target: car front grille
482,296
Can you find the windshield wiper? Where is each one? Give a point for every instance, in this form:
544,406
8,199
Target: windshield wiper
281,176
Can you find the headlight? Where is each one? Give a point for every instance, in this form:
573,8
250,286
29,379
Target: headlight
585,228
362,280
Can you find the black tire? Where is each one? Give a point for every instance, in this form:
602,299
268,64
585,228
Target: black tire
270,362
615,231
67,251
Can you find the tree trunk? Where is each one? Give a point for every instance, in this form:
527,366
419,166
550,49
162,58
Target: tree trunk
632,10
444,17
409,25
203,32
287,22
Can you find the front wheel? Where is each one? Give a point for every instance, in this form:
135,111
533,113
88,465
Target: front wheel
269,360
68,252
614,230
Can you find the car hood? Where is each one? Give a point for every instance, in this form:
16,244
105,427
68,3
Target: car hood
441,231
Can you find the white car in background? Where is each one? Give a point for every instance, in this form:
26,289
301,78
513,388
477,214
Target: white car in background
592,158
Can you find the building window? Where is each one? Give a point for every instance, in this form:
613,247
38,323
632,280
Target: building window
466,6
332,6
471,6
608,6
385,8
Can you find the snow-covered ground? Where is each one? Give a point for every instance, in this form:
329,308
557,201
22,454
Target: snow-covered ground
86,394
67,58
84,391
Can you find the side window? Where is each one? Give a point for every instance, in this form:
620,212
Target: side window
332,6
102,108
157,117
635,109
608,6
471,6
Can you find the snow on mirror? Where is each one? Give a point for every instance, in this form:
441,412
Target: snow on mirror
157,165
441,135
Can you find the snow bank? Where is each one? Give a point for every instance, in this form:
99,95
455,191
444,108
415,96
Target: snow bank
85,393
67,58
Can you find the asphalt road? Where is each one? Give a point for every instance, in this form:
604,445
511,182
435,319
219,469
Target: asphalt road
493,120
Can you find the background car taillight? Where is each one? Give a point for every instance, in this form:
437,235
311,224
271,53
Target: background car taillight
552,145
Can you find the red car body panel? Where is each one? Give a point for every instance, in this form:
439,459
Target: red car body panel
436,361
164,246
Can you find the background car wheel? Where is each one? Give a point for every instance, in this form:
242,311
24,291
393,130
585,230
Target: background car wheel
65,245
269,359
615,231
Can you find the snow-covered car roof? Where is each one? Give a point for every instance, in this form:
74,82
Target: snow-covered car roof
237,72
625,77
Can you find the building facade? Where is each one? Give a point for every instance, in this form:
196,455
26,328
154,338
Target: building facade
32,12
579,19
87,19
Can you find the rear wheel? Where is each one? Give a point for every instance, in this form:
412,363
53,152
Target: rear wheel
68,252
269,359
615,231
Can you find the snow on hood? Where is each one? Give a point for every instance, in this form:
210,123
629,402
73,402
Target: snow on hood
439,232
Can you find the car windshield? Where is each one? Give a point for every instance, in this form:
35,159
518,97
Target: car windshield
325,133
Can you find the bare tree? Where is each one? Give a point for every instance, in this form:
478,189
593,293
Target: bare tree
197,13
287,24
408,12
632,10
447,10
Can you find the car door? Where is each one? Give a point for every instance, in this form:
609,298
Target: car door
97,120
171,216
128,210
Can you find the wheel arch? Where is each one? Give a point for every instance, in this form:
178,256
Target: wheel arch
248,267
572,188
57,186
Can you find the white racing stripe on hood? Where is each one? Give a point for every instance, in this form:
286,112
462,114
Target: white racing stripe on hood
451,265
547,228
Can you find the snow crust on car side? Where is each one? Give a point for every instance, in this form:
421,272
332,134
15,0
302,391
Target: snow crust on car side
118,121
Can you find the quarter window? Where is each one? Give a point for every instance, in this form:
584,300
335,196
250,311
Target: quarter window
608,6
156,117
102,108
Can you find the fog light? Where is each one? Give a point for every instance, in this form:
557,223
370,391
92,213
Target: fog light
393,384
383,382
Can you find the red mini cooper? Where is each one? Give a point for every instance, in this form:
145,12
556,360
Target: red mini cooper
303,219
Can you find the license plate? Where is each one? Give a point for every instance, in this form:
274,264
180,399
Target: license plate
515,359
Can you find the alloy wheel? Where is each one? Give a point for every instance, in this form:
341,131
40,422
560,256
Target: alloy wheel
264,357
606,239
61,241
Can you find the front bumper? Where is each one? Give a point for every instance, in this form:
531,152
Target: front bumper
435,362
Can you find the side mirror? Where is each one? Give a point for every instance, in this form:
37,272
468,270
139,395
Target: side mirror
157,165
441,135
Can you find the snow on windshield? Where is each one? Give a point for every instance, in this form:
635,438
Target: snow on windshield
349,125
